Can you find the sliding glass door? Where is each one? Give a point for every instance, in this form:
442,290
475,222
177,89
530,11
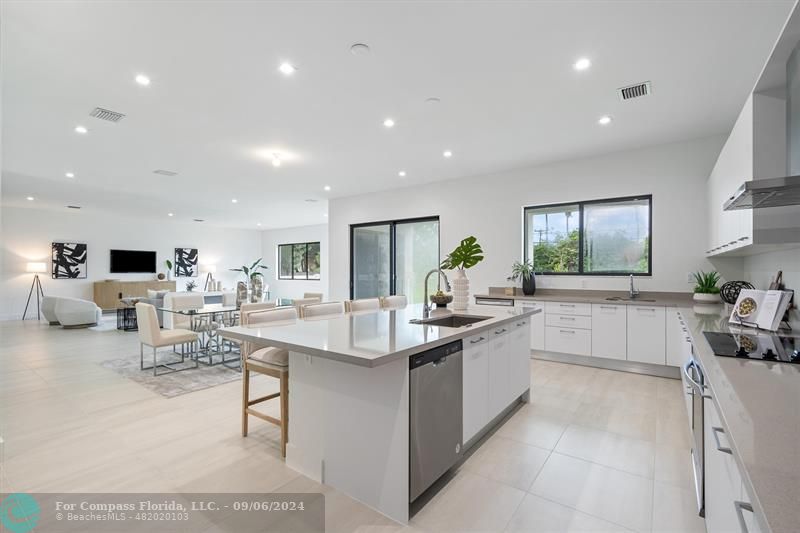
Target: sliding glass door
393,257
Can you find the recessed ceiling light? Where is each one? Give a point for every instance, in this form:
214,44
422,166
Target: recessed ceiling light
29,198
447,153
327,187
276,160
69,175
325,215
198,220
287,68
359,49
170,214
389,123
258,223
433,100
143,80
234,200
402,173
605,120
582,64
81,129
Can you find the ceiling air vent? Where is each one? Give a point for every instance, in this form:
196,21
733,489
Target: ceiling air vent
165,172
106,114
73,207
199,220
634,91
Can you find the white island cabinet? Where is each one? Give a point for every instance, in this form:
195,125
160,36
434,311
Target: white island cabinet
350,394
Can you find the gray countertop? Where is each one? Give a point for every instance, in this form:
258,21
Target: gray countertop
370,338
666,299
759,403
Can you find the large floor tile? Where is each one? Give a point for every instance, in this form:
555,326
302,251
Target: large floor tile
674,466
609,449
538,515
600,491
508,461
629,421
675,510
532,428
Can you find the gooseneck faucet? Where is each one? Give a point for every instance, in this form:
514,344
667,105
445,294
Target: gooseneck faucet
633,293
426,309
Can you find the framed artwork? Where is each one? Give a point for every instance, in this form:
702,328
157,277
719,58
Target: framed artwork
69,260
185,262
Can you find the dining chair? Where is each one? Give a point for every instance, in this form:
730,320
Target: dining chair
394,302
324,309
181,302
150,334
365,304
317,295
270,361
300,302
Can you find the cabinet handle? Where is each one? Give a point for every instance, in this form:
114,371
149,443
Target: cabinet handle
499,332
479,339
650,309
613,308
567,318
567,305
571,332
742,506
520,324
744,238
716,431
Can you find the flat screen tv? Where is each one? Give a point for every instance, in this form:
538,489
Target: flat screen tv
132,261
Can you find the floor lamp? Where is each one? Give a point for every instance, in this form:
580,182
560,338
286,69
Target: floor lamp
209,277
36,285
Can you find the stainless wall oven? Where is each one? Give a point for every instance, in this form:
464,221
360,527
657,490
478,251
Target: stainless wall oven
695,381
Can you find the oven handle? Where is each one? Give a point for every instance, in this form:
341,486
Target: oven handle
689,364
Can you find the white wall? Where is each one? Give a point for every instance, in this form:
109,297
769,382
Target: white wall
270,239
27,234
760,270
490,207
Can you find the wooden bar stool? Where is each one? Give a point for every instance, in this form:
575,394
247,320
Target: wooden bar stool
269,361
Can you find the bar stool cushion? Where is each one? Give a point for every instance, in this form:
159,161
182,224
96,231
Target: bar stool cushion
273,356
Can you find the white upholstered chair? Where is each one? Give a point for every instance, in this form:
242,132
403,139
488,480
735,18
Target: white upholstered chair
324,309
366,304
76,313
151,335
300,302
269,361
49,310
317,295
181,301
394,302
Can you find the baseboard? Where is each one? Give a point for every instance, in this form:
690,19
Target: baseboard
635,367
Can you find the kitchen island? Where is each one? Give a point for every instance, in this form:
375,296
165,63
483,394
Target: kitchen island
349,390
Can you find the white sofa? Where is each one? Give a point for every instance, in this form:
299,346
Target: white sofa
71,312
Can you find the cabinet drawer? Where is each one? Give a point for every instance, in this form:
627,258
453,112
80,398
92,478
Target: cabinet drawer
569,321
568,340
564,308
480,338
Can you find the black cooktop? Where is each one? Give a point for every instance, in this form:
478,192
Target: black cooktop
761,346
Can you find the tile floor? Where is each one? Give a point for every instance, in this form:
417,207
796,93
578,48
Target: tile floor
595,450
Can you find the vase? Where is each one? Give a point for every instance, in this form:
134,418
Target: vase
241,294
707,298
256,289
529,285
460,285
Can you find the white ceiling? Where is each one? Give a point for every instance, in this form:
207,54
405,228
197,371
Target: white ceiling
503,71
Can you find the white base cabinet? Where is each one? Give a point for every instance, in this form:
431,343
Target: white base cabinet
475,367
609,331
536,321
499,359
647,334
520,362
568,340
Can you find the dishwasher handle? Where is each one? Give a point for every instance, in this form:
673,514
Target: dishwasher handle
436,356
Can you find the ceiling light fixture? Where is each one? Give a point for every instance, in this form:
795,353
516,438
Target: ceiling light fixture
605,120
170,214
402,173
29,198
389,123
234,200
447,153
359,49
582,64
81,129
69,175
258,223
142,80
287,68
327,187
276,160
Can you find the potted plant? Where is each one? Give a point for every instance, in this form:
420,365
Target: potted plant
524,270
190,285
254,277
706,290
168,264
466,255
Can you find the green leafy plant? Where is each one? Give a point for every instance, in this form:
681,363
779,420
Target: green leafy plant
466,255
706,282
521,270
251,271
190,285
168,264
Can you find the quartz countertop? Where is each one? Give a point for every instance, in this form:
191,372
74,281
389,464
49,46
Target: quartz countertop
370,338
759,403
665,299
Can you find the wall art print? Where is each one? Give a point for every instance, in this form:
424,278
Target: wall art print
185,262
69,260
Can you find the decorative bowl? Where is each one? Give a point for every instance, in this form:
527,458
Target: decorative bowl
443,299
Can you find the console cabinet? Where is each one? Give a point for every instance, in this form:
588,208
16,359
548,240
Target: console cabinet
108,293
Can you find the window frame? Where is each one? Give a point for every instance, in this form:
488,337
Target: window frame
581,251
293,244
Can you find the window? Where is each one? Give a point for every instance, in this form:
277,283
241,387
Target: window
298,261
602,237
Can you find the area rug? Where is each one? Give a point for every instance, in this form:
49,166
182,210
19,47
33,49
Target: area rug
175,383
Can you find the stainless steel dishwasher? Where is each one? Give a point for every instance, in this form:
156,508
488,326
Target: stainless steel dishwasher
436,390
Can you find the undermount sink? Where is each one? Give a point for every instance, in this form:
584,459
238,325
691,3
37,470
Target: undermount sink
618,299
452,321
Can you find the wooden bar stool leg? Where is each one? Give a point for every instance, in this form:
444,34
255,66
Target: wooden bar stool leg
284,411
245,397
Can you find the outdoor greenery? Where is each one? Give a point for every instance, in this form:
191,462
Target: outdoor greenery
559,256
466,255
706,282
299,261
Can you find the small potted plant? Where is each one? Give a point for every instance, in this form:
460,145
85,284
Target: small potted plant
168,264
190,285
466,255
706,290
524,270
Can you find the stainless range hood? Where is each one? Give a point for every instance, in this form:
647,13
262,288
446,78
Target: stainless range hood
771,192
